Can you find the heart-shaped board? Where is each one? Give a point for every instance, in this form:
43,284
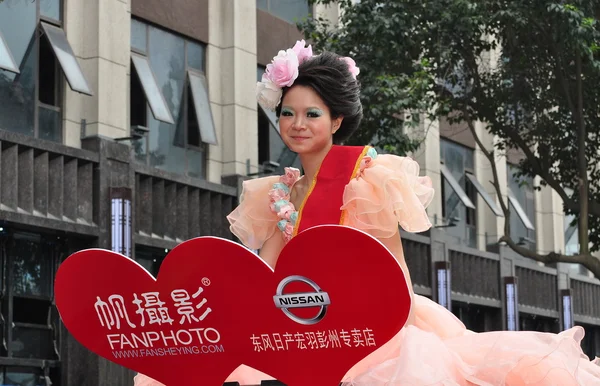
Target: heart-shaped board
335,296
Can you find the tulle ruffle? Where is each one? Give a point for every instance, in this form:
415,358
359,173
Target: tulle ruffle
439,350
388,192
253,221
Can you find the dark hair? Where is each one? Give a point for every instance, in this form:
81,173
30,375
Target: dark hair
331,79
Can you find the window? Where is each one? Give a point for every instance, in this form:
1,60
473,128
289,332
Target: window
571,235
273,154
571,229
34,50
522,208
150,258
29,319
288,10
458,194
169,96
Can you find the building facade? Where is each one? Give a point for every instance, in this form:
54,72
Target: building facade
129,124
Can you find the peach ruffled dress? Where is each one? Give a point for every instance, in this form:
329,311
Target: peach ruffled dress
436,349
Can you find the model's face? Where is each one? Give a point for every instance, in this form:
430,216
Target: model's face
305,122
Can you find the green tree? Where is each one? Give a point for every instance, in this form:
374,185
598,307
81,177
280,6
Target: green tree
528,70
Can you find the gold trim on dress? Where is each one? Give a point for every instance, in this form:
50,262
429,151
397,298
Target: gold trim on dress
354,173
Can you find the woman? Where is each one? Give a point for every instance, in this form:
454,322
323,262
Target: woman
317,101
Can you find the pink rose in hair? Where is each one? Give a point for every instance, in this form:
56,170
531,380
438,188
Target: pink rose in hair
351,66
302,52
283,70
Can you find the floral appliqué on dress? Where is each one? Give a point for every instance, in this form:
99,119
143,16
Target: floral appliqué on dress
280,202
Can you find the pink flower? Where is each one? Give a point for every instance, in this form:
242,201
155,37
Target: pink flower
277,194
351,66
284,210
364,163
290,177
302,52
287,214
268,94
287,237
289,229
283,70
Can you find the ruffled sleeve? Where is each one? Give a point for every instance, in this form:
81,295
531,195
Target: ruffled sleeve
253,221
386,192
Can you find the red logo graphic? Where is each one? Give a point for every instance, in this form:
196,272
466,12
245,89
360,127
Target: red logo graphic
336,295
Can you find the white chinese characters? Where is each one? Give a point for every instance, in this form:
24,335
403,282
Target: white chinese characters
153,307
319,340
185,306
150,309
110,314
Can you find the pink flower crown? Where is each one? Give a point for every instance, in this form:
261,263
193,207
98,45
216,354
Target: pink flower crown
283,71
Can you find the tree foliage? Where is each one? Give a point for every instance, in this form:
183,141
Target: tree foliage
529,70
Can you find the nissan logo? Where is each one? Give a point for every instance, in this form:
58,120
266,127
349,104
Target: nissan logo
318,298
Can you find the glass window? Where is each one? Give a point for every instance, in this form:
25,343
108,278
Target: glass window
66,58
458,193
199,91
51,9
484,194
150,258
173,84
34,343
522,208
30,266
138,36
571,236
147,80
22,376
195,56
18,92
288,10
167,57
262,4
30,98
7,62
30,260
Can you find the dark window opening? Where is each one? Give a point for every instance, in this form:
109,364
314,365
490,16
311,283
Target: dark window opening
31,311
193,130
138,101
471,213
150,258
48,75
264,147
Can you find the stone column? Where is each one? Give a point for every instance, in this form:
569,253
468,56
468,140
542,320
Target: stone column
99,33
489,226
231,69
428,157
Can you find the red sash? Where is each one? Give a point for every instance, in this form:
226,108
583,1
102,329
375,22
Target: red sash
325,195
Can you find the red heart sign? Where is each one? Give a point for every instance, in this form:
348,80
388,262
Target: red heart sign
336,295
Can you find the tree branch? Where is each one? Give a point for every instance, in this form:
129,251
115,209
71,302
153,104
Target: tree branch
582,165
587,260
